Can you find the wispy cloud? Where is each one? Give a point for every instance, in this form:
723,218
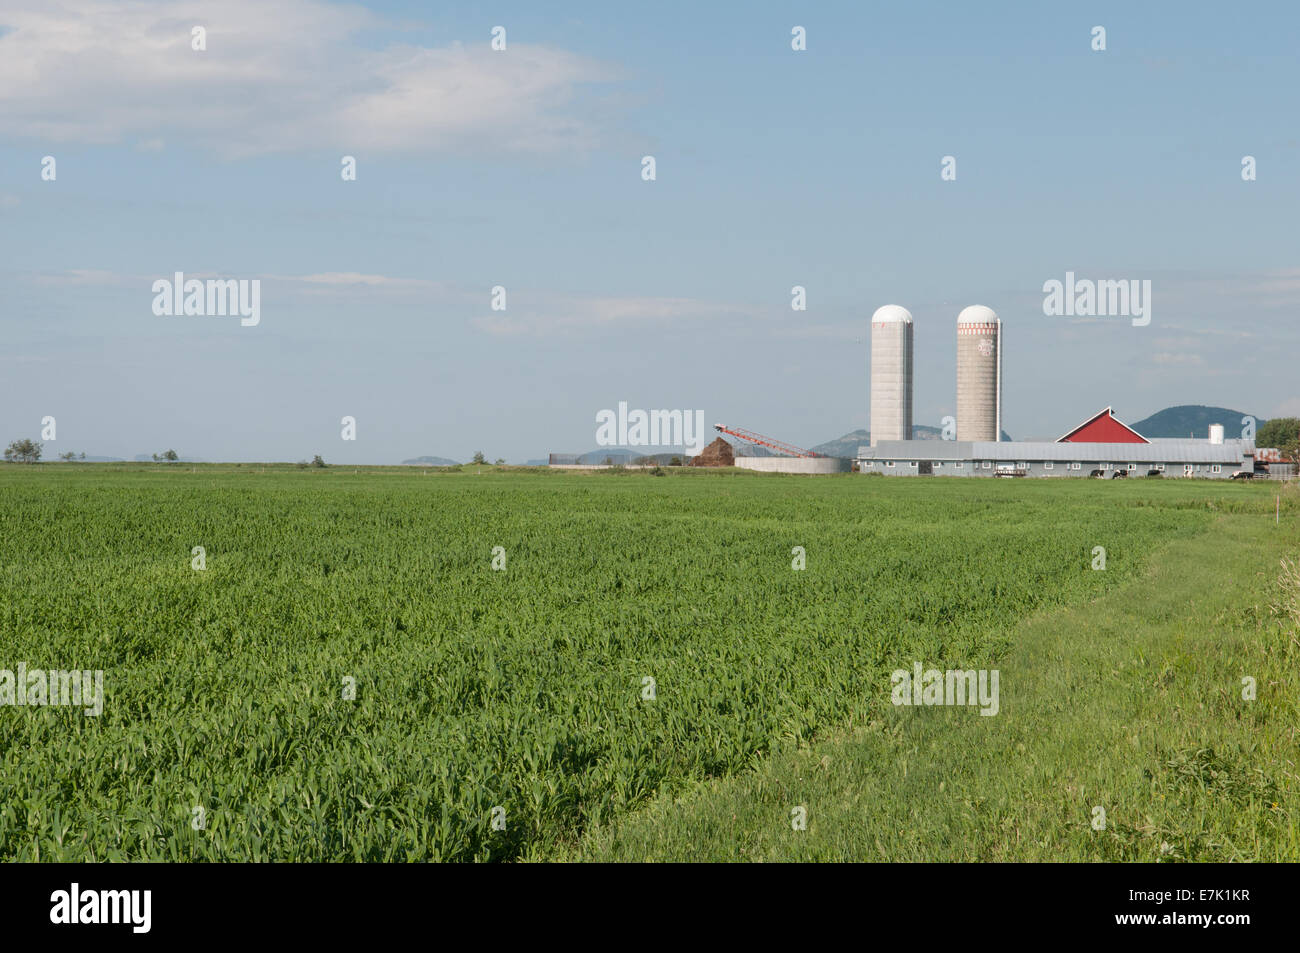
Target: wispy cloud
1177,359
84,277
338,280
553,315
529,313
279,77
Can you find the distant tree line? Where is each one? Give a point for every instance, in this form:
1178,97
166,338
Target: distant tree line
1280,433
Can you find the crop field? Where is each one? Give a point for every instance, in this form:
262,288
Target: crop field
639,636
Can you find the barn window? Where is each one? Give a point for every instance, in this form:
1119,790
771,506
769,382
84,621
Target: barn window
1049,465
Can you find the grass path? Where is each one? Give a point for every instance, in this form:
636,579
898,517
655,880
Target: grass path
1132,703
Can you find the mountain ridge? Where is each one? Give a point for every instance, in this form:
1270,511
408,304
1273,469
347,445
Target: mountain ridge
1191,419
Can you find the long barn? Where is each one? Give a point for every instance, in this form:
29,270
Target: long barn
1100,446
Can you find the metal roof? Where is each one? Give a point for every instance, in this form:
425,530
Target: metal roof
1165,451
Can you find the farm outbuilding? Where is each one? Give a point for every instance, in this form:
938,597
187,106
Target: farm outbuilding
796,464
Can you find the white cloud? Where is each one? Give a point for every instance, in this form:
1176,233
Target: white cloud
1241,303
823,332
324,282
557,315
1172,359
279,77
84,276
353,279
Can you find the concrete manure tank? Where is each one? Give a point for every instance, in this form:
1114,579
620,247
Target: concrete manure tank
891,374
979,374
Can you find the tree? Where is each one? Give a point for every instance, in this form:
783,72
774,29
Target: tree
67,457
83,454
501,461
24,451
478,457
1280,433
317,462
171,456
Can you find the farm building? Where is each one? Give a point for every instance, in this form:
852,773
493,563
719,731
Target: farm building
1100,446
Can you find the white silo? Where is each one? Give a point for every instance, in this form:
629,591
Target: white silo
979,374
1216,433
891,374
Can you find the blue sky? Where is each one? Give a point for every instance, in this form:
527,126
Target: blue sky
522,168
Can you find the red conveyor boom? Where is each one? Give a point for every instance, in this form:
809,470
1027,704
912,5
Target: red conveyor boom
750,437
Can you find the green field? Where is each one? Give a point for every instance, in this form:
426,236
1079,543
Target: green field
523,689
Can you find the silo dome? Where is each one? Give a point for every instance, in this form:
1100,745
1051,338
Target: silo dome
977,314
890,313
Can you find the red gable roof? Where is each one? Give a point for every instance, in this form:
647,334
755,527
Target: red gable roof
1103,428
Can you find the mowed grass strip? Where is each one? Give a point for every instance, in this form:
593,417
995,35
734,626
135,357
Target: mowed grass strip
1131,703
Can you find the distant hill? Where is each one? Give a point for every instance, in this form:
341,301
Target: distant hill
847,446
429,462
1190,420
926,432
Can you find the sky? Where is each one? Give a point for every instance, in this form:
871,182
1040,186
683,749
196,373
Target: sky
522,169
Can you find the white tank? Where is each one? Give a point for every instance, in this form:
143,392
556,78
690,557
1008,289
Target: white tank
891,374
979,374
1216,433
